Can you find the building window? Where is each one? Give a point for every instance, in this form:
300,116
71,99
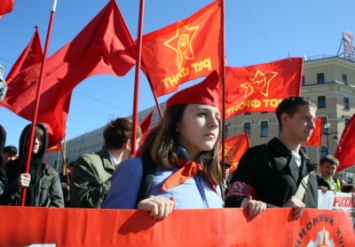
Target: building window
247,128
344,79
226,130
303,81
264,129
320,78
247,113
321,102
346,103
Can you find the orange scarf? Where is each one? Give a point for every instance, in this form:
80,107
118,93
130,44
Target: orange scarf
188,170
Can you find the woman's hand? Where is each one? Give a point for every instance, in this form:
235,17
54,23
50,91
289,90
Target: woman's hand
158,206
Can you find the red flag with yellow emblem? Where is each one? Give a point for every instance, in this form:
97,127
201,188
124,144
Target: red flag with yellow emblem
262,87
234,148
31,55
316,137
183,51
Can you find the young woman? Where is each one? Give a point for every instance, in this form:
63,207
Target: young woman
182,151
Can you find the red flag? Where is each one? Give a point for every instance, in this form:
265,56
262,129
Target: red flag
104,46
184,50
6,6
316,137
234,148
145,123
262,87
345,151
31,55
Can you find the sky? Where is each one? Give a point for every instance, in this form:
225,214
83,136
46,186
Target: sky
255,32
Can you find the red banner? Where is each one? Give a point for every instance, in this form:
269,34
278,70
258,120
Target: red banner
316,137
262,87
234,148
23,226
183,51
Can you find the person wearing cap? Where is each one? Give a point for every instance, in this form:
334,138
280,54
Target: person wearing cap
180,156
9,153
278,173
92,172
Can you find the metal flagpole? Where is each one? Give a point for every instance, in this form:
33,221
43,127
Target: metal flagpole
34,121
137,77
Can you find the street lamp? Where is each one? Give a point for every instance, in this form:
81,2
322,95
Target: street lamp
326,132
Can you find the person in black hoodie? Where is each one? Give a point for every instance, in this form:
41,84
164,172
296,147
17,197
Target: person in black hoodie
42,182
3,177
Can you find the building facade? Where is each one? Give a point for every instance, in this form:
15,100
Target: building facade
328,81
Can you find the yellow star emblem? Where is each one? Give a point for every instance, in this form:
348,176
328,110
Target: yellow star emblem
181,42
260,82
229,154
30,54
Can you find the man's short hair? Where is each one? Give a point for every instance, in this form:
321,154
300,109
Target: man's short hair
330,159
290,106
10,149
118,132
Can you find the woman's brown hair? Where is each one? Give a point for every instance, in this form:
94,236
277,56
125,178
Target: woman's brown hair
160,145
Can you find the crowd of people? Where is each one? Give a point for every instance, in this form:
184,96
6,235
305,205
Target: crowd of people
177,166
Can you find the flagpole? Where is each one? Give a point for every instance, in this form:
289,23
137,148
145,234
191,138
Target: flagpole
155,97
63,150
137,77
223,79
34,121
